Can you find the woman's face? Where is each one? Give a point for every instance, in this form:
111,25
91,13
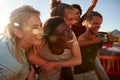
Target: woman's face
32,32
76,15
94,24
69,17
64,36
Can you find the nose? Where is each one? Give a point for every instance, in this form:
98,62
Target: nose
41,31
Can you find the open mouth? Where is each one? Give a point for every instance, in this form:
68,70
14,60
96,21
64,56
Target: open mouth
39,37
74,21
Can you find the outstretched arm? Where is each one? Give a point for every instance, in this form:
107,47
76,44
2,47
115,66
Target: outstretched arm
91,7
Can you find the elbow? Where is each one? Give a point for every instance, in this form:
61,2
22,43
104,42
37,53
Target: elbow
79,61
31,59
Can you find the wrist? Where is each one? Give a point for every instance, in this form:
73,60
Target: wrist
44,64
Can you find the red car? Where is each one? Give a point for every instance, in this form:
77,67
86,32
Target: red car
109,56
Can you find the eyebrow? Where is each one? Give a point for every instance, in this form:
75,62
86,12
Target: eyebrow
37,25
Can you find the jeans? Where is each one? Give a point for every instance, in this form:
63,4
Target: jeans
90,75
100,70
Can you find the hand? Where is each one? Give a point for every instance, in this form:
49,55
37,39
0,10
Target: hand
96,40
31,73
51,65
31,69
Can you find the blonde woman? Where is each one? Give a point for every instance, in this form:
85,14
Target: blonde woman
22,32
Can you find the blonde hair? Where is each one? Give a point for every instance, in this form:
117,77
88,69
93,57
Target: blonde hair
17,18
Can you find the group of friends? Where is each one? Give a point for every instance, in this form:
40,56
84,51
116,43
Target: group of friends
64,47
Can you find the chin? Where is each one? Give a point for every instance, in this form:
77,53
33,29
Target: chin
37,43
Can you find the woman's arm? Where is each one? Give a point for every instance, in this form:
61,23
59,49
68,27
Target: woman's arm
91,7
75,60
31,73
84,42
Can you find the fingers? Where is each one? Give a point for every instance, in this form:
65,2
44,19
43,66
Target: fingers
48,66
51,66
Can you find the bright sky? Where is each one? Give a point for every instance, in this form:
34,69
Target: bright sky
110,9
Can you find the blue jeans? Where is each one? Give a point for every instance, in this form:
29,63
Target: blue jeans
90,75
100,70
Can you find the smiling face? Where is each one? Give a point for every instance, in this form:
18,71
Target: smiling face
63,37
94,24
77,15
69,17
32,32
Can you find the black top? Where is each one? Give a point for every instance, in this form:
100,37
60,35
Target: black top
89,54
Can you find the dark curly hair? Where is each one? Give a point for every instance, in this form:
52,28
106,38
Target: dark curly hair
50,25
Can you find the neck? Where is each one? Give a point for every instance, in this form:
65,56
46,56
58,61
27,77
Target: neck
88,35
23,44
77,23
56,50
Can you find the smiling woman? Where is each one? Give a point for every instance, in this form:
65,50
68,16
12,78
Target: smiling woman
18,39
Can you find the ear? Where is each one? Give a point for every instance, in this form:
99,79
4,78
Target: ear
17,32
